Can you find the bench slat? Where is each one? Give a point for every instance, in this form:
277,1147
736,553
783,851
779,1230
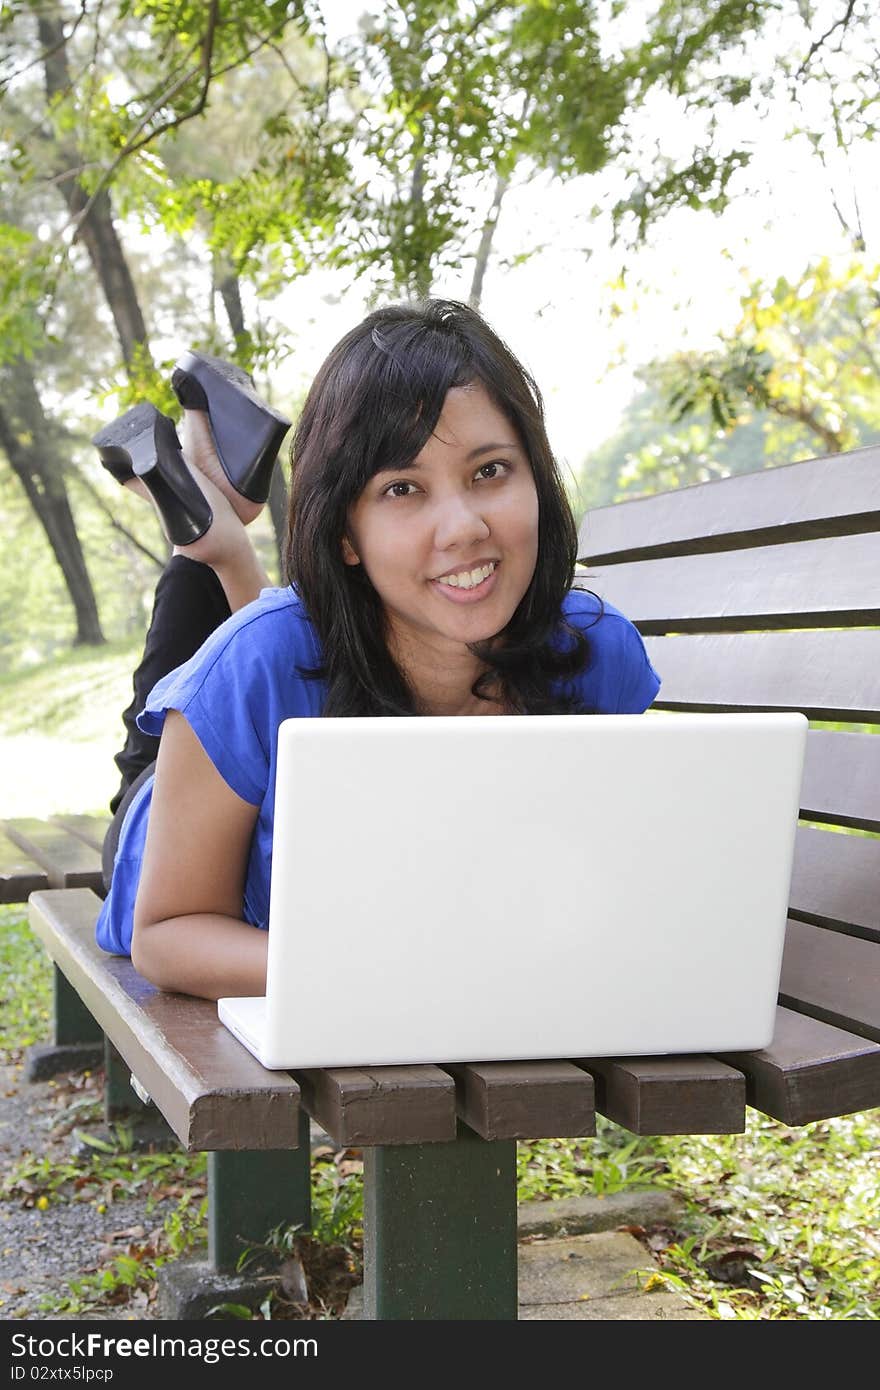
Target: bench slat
380,1105
209,1088
841,784
20,875
811,1071
832,676
90,829
525,1100
827,496
835,882
823,583
832,977
669,1095
67,860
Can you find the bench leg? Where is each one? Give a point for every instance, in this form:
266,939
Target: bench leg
77,1040
249,1194
440,1230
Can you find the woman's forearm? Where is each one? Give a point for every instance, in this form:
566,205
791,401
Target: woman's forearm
203,954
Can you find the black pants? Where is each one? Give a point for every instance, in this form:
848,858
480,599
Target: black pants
188,605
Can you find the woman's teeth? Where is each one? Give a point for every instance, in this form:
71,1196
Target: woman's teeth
469,580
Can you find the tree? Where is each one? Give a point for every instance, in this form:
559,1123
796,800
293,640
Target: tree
797,377
390,155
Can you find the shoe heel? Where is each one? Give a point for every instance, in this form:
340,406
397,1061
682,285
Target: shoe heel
143,444
247,432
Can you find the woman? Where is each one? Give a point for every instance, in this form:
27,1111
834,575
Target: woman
431,552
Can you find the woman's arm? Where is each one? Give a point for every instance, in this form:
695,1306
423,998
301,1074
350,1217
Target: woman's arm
188,933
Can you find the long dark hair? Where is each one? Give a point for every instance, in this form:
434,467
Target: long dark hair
375,402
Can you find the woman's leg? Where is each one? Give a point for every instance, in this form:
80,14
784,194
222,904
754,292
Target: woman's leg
188,605
200,587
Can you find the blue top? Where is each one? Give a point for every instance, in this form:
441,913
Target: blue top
243,681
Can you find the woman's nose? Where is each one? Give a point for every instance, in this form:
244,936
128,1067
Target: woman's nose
459,521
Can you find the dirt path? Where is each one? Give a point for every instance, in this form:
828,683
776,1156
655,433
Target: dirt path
46,1241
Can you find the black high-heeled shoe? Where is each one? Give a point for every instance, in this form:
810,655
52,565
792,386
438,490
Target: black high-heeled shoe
143,444
247,433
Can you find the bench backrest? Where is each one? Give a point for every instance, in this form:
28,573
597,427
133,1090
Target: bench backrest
762,592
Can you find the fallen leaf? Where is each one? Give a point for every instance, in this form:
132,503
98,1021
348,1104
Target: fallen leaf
293,1280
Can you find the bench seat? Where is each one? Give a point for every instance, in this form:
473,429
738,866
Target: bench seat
215,1095
61,852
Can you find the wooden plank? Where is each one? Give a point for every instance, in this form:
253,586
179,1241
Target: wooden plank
90,829
814,497
841,784
824,583
67,860
832,977
836,882
670,1095
380,1105
20,875
525,1100
832,676
209,1088
811,1071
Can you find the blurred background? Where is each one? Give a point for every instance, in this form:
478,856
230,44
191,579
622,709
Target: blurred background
669,211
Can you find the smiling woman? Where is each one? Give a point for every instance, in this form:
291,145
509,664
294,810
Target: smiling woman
450,551
431,554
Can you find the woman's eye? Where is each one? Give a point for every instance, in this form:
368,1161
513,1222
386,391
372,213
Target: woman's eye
495,464
390,490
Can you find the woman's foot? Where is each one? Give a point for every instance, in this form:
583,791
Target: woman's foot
226,545
246,431
142,446
200,453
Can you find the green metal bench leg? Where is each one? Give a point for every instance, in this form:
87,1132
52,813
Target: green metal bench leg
251,1193
440,1230
77,1040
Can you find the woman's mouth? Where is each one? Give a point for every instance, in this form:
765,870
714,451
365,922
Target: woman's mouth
468,586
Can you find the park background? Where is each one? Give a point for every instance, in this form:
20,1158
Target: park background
669,208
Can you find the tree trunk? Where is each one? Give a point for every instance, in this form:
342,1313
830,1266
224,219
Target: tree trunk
278,507
491,222
96,231
30,444
227,284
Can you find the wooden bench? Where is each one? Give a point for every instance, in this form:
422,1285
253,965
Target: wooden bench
61,852
753,593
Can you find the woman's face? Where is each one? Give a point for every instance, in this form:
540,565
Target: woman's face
466,508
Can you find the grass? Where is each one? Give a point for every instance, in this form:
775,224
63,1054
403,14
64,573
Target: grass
776,1223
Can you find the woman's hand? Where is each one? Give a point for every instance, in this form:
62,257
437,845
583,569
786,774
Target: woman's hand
188,931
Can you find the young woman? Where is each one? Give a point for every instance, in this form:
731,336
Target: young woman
430,558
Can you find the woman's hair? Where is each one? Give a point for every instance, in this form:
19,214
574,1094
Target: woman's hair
374,403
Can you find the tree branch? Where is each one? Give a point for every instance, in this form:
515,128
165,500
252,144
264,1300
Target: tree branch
208,77
132,539
52,48
818,43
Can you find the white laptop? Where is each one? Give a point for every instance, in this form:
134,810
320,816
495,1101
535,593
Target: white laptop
455,889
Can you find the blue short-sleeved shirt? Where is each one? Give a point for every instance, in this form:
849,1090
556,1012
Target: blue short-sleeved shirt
244,680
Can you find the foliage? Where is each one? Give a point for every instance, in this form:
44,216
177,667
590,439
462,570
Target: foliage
796,377
25,985
803,350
